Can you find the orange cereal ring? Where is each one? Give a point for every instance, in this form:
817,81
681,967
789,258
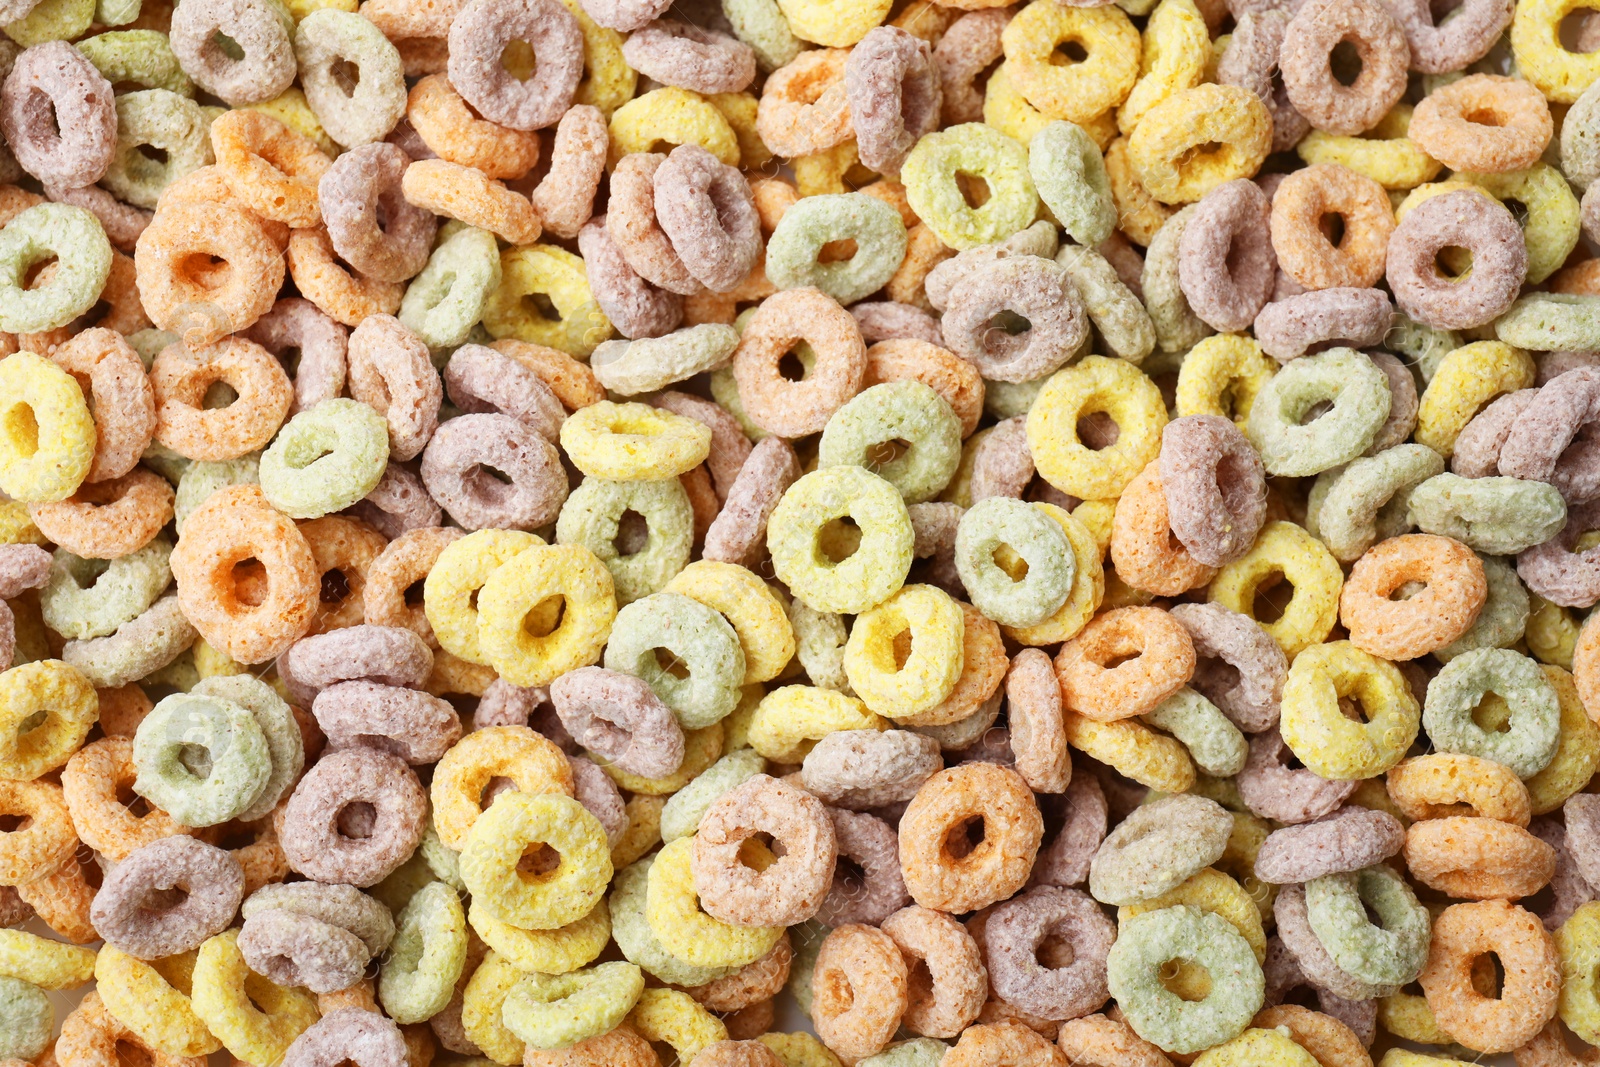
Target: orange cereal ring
105,520
1163,660
42,840
574,384
404,562
261,857
1444,784
942,868
448,126
208,186
63,898
530,760
119,393
1454,594
344,550
91,783
468,194
946,373
1100,1041
1144,551
1478,859
983,666
122,709
1304,251
924,251
270,167
181,377
1328,1040
1484,122
621,1047
322,278
1003,1044
185,293
1586,666
93,1037
859,991
1462,934
234,525
803,106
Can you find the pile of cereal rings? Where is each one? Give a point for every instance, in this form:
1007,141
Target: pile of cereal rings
575,533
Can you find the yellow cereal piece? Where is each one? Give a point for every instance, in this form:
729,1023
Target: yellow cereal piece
531,761
931,621
450,592
496,844
824,172
1551,633
1095,384
558,951
68,706
255,1019
1254,1047
1285,552
1408,1017
701,748
53,20
1008,111
1577,755
1384,153
673,1017
1163,149
792,719
42,962
633,442
1136,751
1173,57
1315,727
16,526
1097,517
799,1050
557,1011
756,614
833,23
152,1000
1221,376
290,108
740,111
542,270
299,9
643,831
1077,92
209,663
608,82
1578,942
1140,216
47,436
515,605
1088,588
1465,382
672,908
481,1001
1540,57
672,116
1549,213
1244,842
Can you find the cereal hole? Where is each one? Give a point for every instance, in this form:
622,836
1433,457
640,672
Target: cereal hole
1097,430
838,990
335,587
963,839
882,454
1271,599
633,533
250,582
493,788
517,59
670,663
974,190
1345,62
539,305
1015,566
1407,590
218,396
196,759
31,723
415,591
1200,154
545,618
1185,979
837,251
130,1054
1055,951
356,820
153,153
137,805
227,46
538,862
10,823
1492,714
1068,52
1452,262
22,430
791,368
1332,226
901,647
839,539
345,74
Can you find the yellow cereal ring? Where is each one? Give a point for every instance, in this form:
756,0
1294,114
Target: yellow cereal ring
933,620
497,841
1384,153
1172,58
1540,57
643,831
633,442
42,962
799,1050
1464,383
1095,384
290,108
1549,215
672,1017
1136,751
793,718
756,614
558,951
1315,727
481,1001
740,111
1088,584
150,999
530,760
450,592
1578,942
1257,1047
47,436
1551,633
1221,376
560,276
69,706
608,82
1163,148
16,525
672,908
1078,91
676,116
701,748
513,597
833,23
1285,551
255,1019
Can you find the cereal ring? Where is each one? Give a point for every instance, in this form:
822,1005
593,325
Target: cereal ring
1306,60
1455,593
131,913
1033,289
226,998
895,94
1095,384
1215,484
43,838
1360,395
873,572
1273,790
1460,934
1161,147
994,868
311,834
794,249
54,79
1529,741
1082,90
521,585
239,767
860,990
1350,839
1169,1021
1013,936
456,469
1456,220
1500,516
1231,226
1305,252
1314,321
479,34
351,193
795,885
444,302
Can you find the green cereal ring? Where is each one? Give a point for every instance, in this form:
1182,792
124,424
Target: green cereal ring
325,458
1352,383
160,119
815,221
76,241
442,860
203,477
918,1052
1390,951
725,390
906,412
762,26
1503,618
698,640
1070,175
1218,748
1500,516
1157,847
1424,347
87,598
285,743
930,177
638,942
117,12
1116,312
1177,327
1147,943
150,643
184,783
26,1019
1016,525
819,639
325,42
53,20
628,368
447,299
1369,501
684,809
1005,400
870,574
1549,213
1528,742
559,1010
806,940
144,57
593,516
1552,322
425,959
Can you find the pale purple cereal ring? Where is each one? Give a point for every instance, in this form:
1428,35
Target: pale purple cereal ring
1314,961
350,1035
293,949
1283,976
1215,486
1472,29
456,469
8,636
416,726
122,222
993,746
405,137
137,910
352,788
14,911
314,343
792,889
565,197
1462,219
1348,840
1028,286
1074,826
480,380
1589,211
739,532
1552,365
1037,738
1403,403
594,789
632,225
389,368
1581,813
968,48
22,567
886,320
729,446
1478,446
255,28
504,704
1270,789
59,115
895,93
1016,931
878,891
1569,889
625,16
1550,440
865,769
373,227
945,994
634,306
933,527
339,905
705,208
619,717
1306,63
1226,265
1309,322
398,504
1251,62
391,655
1002,464
703,61
479,35
1556,571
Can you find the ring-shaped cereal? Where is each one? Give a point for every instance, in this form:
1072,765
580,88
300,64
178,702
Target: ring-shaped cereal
1443,784
1285,552
1317,731
180,378
495,844
1134,750
905,411
633,441
272,169
933,622
1483,122
1232,123
1354,507
592,517
531,761
119,392
1456,220
424,961
1465,382
684,929
455,578
148,999
446,123
1032,537
994,868
794,409
1557,72
253,1018
930,176
1464,932
518,589
557,1011
700,640
875,227
1145,551
1359,393
1552,224
1081,91
1532,731
866,577
464,193
1154,657
47,433
90,783
1095,384
1306,59
804,107
1384,153
859,990
1456,589
757,616
1478,859
1304,250
442,304
83,259
558,951
64,704
1222,375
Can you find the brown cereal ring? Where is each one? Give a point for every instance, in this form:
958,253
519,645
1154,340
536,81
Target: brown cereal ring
1033,701
795,409
466,193
758,981
1453,45
1304,250
449,128
1251,62
312,822
1162,659
1454,593
263,36
1306,61
180,378
1348,840
963,52
738,533
634,306
1445,784
298,328
632,226
398,504
42,838
895,94
1003,1043
481,380
704,208
91,783
945,994
1226,266
104,520
479,35
1145,552
236,524
120,398
858,991
1543,441
621,1047
565,198
789,891
390,369
1098,1041
1074,825
1478,859
457,467
1484,122
1001,463
868,844
1466,219
952,377
203,306
729,446
942,868
362,183
269,166
343,294
1527,954
1273,790
805,107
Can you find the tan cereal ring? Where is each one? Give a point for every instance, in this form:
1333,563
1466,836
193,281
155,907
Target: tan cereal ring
945,994
404,562
1163,660
270,167
120,397
1330,1042
1304,251
468,194
347,547
105,520
794,409
564,199
448,126
858,991
187,295
1100,1041
803,108
324,279
180,378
